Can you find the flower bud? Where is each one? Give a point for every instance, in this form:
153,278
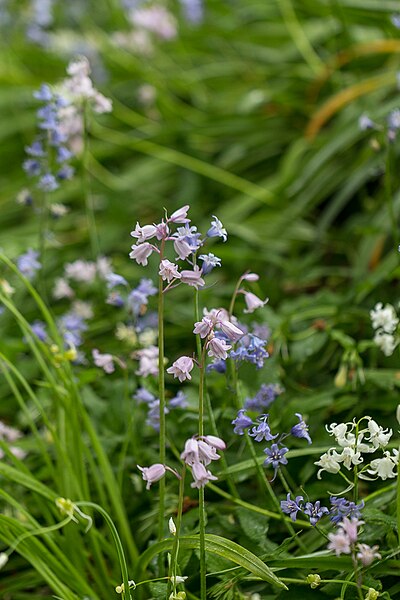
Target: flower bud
314,580
172,526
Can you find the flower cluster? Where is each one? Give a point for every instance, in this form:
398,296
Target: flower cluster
344,541
199,452
186,242
265,396
385,321
144,396
313,510
261,431
354,442
48,155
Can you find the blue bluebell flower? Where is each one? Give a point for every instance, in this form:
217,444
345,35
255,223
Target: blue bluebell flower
250,349
344,508
113,279
218,365
115,299
315,511
262,431
178,401
217,230
209,262
241,422
144,395
39,330
71,326
47,183
28,263
193,10
275,457
264,397
301,429
292,507
147,287
189,234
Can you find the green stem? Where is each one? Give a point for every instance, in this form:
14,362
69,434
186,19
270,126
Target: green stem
389,195
161,395
118,545
398,503
175,548
202,511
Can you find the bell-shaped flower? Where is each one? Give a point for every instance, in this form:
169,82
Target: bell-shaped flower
182,248
329,462
203,327
143,233
215,441
218,348
193,278
253,302
152,474
217,230
168,270
181,368
141,253
230,330
180,215
201,476
190,453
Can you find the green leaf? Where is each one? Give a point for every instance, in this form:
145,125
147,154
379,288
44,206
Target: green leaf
216,545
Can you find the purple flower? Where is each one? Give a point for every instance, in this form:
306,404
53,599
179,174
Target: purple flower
39,329
315,511
115,299
178,401
113,279
275,457
262,431
143,395
218,348
181,368
217,230
147,287
251,349
28,263
44,93
301,429
209,262
292,507
241,422
47,183
152,474
219,366
344,508
264,397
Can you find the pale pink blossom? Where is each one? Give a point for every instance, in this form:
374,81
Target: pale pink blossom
148,361
201,476
180,215
181,368
141,253
142,234
218,348
190,453
152,474
250,277
339,542
168,270
203,327
230,330
367,554
215,441
350,527
62,289
253,302
182,248
193,278
104,361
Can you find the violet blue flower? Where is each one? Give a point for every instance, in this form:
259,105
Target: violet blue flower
217,230
262,431
241,422
275,457
315,511
292,507
28,263
301,429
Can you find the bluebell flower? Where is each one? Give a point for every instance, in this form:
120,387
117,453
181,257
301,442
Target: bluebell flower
292,507
241,422
147,287
301,429
143,395
35,149
115,299
63,154
262,431
28,263
395,19
137,302
251,349
189,234
66,172
47,183
32,167
209,262
71,326
315,511
39,330
193,10
275,457
178,401
264,397
153,416
344,508
113,279
217,230
44,93
219,366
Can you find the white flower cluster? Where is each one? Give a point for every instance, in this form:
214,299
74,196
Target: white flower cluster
384,321
354,442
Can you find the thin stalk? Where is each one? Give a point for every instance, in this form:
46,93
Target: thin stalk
202,511
175,548
118,545
398,504
161,395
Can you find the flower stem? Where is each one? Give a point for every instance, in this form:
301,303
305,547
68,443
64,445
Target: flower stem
175,548
91,220
161,394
